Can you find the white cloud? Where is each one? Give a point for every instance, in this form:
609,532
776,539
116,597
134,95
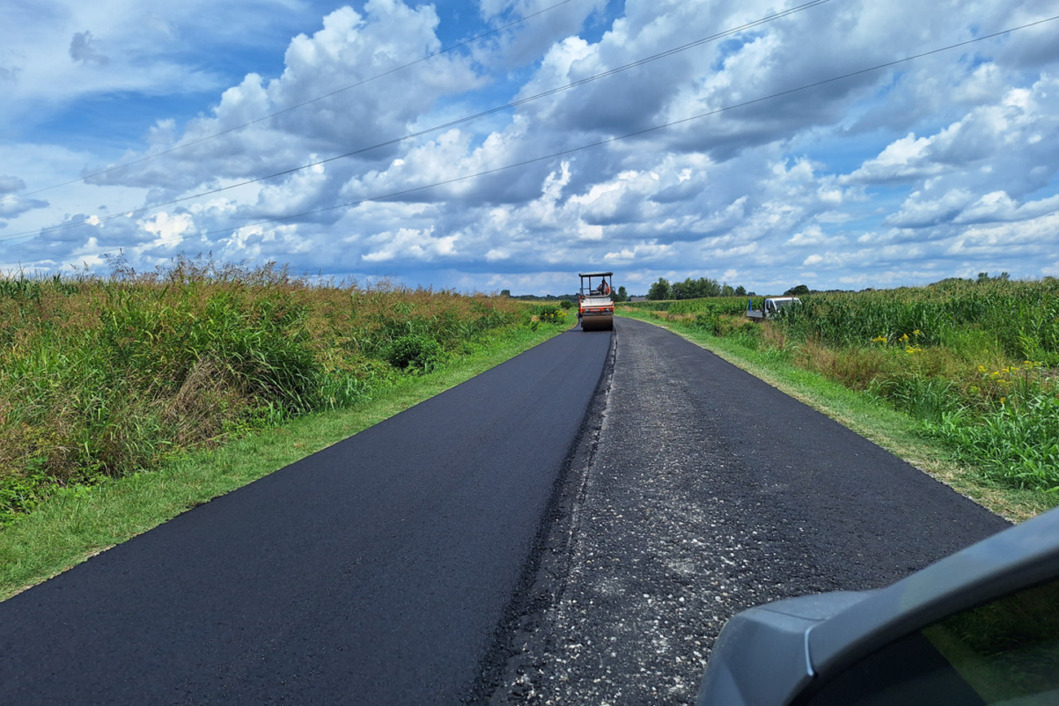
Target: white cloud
646,252
529,41
414,244
169,228
902,160
923,168
922,208
1030,238
812,236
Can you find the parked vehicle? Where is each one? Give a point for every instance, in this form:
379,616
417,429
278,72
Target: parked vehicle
978,627
595,307
770,307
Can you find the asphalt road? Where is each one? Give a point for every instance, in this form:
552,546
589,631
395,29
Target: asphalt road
410,563
701,491
374,572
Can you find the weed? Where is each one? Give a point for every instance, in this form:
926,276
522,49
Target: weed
105,377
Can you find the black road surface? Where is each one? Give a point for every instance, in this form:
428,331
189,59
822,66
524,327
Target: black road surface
700,492
374,572
409,564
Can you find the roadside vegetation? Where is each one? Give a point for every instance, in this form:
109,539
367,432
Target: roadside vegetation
973,366
103,378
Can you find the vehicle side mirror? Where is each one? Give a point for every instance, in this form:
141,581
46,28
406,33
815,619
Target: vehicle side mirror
978,627
1003,652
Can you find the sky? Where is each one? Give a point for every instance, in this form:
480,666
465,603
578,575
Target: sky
511,144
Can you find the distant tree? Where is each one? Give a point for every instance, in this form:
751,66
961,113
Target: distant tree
659,290
796,291
505,292
681,290
740,291
726,290
706,287
622,295
695,288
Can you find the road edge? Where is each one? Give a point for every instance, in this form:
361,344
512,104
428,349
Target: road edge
504,673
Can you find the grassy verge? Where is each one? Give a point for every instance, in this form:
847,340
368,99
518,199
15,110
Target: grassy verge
866,415
105,377
80,521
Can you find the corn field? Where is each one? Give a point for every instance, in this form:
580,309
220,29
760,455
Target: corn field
976,363
1021,319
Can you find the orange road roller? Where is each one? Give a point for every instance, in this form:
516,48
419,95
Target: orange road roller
595,308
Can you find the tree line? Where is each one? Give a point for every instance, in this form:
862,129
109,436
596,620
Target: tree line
694,289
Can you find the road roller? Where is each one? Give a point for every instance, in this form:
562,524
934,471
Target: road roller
595,308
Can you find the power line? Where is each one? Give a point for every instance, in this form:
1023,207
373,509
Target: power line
637,133
290,108
443,126
600,143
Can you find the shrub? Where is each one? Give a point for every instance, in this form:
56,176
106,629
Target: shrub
548,313
415,351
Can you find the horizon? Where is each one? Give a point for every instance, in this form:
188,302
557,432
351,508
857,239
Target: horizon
509,144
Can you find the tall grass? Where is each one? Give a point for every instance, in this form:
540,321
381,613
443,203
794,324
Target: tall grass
102,377
976,363
1019,319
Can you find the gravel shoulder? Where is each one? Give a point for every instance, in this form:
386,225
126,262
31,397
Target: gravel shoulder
697,491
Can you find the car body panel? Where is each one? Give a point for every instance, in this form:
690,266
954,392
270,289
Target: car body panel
775,634
801,643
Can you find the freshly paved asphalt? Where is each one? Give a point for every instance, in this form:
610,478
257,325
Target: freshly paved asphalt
373,572
409,564
698,492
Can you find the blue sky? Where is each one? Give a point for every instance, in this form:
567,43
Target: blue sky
945,165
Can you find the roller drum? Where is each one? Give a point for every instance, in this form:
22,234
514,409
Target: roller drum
597,323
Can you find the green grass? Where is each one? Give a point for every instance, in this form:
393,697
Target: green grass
781,363
82,520
106,377
974,362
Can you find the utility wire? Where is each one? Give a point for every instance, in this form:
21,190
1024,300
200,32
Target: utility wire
290,108
443,126
404,192
600,143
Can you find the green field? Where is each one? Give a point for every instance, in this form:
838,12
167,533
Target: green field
972,363
101,378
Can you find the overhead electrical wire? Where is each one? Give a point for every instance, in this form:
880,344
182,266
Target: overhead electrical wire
125,213
290,108
637,133
553,155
